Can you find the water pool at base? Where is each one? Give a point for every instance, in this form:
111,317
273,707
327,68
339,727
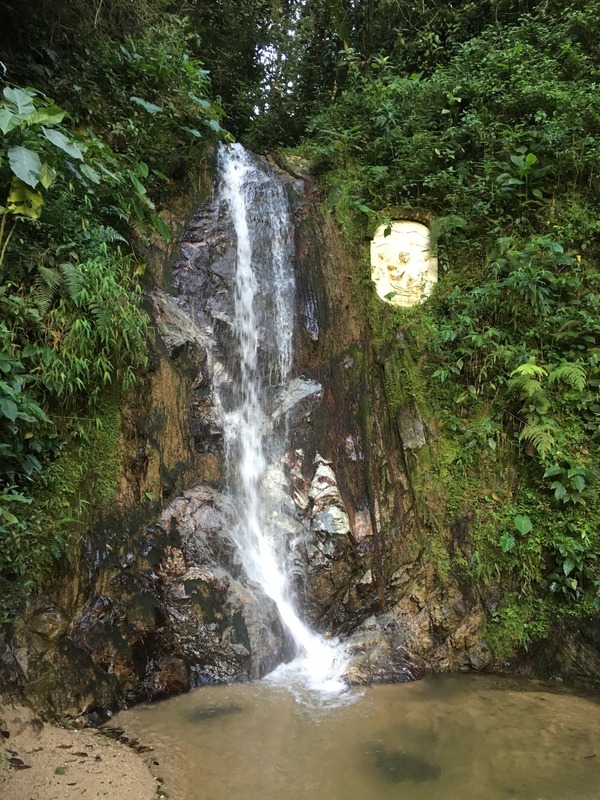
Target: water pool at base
443,738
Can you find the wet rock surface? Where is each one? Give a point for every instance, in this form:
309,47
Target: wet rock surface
223,624
427,629
153,609
176,612
157,609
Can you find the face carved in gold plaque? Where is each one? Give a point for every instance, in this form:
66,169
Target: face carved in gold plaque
402,267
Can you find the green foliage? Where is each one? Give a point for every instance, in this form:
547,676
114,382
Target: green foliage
462,139
160,107
24,440
21,418
38,151
572,484
79,181
490,132
479,117
576,559
516,625
94,334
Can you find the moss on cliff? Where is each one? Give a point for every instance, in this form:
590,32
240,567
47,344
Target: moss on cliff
484,514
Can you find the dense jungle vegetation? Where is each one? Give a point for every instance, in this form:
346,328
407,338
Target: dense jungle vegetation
480,116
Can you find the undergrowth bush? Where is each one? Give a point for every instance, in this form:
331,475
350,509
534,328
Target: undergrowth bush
497,147
82,177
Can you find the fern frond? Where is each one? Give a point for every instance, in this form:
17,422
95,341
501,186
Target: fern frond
55,549
530,370
73,281
541,437
572,373
45,288
107,234
102,320
51,277
43,296
526,386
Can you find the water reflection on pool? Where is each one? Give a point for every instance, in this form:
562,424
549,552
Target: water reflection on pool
443,738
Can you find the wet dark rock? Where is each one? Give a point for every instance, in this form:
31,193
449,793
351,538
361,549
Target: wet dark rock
159,600
295,399
176,326
571,654
221,622
411,428
428,629
49,623
167,677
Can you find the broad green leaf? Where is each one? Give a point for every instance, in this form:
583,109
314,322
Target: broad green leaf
109,174
9,120
137,184
30,464
194,131
8,516
64,143
25,164
559,489
507,542
151,108
568,566
16,498
553,470
90,173
160,227
214,125
578,482
523,524
201,102
53,114
22,101
138,207
7,363
8,409
47,175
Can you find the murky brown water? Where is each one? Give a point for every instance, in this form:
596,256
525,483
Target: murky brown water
443,738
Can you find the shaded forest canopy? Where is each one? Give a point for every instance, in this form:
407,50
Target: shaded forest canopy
482,117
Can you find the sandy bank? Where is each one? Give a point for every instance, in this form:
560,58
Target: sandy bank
52,763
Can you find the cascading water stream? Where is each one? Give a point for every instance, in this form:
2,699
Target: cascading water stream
264,320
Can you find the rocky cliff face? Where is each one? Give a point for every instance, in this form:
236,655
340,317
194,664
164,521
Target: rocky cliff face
160,601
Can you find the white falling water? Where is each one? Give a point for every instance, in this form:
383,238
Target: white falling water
255,197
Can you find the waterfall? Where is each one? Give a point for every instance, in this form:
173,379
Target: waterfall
258,207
